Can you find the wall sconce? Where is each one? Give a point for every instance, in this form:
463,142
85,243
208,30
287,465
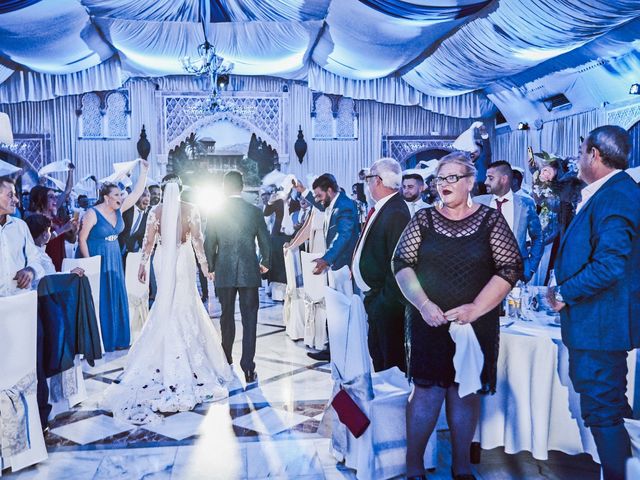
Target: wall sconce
523,126
635,89
300,146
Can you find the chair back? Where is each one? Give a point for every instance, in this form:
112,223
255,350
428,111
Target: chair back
134,287
313,284
91,267
347,324
18,337
290,266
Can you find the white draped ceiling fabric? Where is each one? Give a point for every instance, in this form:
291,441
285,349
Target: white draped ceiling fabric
443,55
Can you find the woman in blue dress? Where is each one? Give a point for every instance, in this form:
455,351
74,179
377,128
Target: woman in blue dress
101,226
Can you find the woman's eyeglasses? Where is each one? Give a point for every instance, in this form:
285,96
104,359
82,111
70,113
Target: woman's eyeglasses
450,179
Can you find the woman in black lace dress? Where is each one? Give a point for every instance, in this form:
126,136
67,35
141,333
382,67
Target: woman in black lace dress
455,262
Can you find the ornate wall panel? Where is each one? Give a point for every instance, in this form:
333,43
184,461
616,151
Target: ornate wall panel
403,147
34,149
261,113
626,116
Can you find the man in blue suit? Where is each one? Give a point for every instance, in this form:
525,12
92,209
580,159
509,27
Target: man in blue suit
598,292
341,228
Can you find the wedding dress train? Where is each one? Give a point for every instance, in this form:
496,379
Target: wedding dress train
177,361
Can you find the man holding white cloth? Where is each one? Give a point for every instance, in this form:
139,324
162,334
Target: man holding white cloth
372,265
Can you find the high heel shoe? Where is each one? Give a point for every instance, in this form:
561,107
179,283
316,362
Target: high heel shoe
462,476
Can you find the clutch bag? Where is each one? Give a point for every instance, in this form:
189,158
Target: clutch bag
350,414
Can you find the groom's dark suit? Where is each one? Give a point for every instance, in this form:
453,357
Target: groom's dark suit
230,245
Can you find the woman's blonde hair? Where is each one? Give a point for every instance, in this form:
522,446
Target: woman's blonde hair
458,158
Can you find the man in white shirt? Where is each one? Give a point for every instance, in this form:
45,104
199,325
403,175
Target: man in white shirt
519,212
371,266
412,188
18,254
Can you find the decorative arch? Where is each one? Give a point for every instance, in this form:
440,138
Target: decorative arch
261,113
219,117
402,148
626,116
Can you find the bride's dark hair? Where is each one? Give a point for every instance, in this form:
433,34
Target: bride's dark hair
171,178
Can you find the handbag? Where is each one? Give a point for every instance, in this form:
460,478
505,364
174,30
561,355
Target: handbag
349,413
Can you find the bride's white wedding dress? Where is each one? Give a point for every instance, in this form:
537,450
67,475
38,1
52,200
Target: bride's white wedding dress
177,361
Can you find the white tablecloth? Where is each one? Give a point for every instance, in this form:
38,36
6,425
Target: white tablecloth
535,407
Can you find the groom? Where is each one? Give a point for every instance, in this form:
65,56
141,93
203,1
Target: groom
230,245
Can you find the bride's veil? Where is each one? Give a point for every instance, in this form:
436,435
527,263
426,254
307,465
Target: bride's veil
170,231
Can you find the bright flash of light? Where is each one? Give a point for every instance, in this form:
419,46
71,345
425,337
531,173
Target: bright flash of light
209,199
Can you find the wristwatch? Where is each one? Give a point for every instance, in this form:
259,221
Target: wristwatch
557,293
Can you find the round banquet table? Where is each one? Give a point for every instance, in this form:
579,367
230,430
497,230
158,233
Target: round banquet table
535,407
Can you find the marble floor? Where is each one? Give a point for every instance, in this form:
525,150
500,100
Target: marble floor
263,430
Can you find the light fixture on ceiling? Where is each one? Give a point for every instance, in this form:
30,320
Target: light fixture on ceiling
635,89
208,64
523,126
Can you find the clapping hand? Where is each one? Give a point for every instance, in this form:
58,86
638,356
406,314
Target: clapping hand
78,271
432,314
263,269
466,313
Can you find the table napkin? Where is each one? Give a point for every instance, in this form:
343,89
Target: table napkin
468,359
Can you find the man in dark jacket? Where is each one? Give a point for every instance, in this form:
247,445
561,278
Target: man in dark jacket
598,292
372,265
230,245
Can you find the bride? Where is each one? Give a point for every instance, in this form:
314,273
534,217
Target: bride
177,361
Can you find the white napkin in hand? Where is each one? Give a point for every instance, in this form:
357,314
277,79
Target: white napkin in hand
468,359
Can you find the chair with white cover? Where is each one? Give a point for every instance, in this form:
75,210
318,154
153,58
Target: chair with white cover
137,294
315,312
18,383
91,267
381,451
294,318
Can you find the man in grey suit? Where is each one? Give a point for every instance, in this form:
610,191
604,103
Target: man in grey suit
518,210
230,245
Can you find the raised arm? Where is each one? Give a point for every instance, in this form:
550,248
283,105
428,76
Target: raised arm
150,236
197,240
67,188
133,197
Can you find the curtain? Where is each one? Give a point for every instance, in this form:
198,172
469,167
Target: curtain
394,90
341,157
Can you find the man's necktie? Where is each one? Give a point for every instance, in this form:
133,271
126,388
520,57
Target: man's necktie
499,204
134,229
369,214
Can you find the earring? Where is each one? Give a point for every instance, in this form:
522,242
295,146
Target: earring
469,200
439,203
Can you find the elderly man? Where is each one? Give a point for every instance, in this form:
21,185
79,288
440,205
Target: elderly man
598,291
19,262
519,212
372,265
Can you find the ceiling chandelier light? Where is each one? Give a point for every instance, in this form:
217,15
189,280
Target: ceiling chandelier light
215,69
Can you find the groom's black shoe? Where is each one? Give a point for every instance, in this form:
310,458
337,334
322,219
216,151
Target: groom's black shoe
321,356
251,376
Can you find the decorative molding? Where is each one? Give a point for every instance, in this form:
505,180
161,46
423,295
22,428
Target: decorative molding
261,113
626,117
32,148
401,148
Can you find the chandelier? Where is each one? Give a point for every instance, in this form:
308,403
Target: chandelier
215,69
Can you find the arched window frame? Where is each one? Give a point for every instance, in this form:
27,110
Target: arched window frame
336,111
105,101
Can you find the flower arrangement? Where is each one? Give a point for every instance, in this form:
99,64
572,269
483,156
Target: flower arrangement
555,190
